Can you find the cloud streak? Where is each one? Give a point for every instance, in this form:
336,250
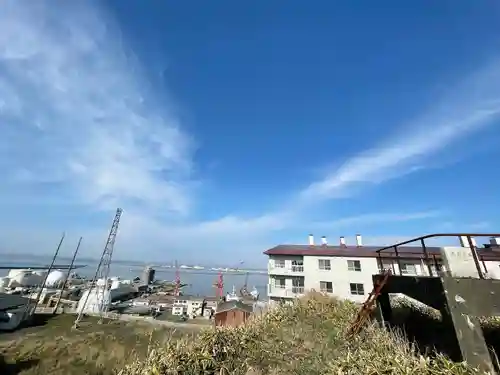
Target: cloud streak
76,113
374,218
469,107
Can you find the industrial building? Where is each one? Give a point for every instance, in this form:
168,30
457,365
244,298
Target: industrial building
346,271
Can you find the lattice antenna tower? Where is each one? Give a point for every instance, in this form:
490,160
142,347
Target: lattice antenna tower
102,271
107,256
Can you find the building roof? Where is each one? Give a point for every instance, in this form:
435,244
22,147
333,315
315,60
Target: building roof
233,305
408,252
11,301
345,251
196,298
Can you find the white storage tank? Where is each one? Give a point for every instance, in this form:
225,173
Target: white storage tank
4,282
101,282
55,279
13,273
96,302
23,278
41,273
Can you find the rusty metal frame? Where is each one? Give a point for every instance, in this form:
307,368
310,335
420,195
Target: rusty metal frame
364,313
426,257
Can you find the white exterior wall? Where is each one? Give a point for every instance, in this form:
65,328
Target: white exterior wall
339,275
310,275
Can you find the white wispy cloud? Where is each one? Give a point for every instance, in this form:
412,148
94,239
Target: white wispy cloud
75,112
373,218
79,124
468,107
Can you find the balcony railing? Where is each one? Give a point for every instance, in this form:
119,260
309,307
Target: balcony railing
283,292
294,269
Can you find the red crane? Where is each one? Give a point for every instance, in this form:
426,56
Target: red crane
177,280
219,284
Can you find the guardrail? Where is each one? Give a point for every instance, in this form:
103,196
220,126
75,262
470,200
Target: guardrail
432,258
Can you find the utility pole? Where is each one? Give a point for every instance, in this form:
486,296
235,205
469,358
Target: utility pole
39,294
67,275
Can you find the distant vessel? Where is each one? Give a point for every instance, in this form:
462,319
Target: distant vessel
233,296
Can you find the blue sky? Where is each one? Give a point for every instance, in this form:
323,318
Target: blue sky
223,128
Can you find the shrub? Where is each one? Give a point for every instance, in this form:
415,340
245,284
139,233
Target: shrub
308,337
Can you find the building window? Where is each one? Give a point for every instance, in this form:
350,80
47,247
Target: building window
357,289
354,265
279,263
297,265
279,283
324,264
298,285
408,269
326,287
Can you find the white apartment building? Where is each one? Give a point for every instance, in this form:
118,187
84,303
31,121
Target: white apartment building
346,271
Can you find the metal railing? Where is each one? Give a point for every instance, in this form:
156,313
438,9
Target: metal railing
432,259
287,270
284,291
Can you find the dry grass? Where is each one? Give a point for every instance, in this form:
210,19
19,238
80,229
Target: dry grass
306,338
54,348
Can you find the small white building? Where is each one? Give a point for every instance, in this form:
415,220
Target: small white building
192,305
346,271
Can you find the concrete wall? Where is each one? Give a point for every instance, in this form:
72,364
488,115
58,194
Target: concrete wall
459,261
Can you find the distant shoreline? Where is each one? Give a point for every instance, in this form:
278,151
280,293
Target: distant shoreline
160,265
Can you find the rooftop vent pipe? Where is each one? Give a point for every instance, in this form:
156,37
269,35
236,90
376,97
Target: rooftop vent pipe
359,242
342,241
324,242
311,240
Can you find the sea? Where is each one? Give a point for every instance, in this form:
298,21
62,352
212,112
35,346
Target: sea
199,282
